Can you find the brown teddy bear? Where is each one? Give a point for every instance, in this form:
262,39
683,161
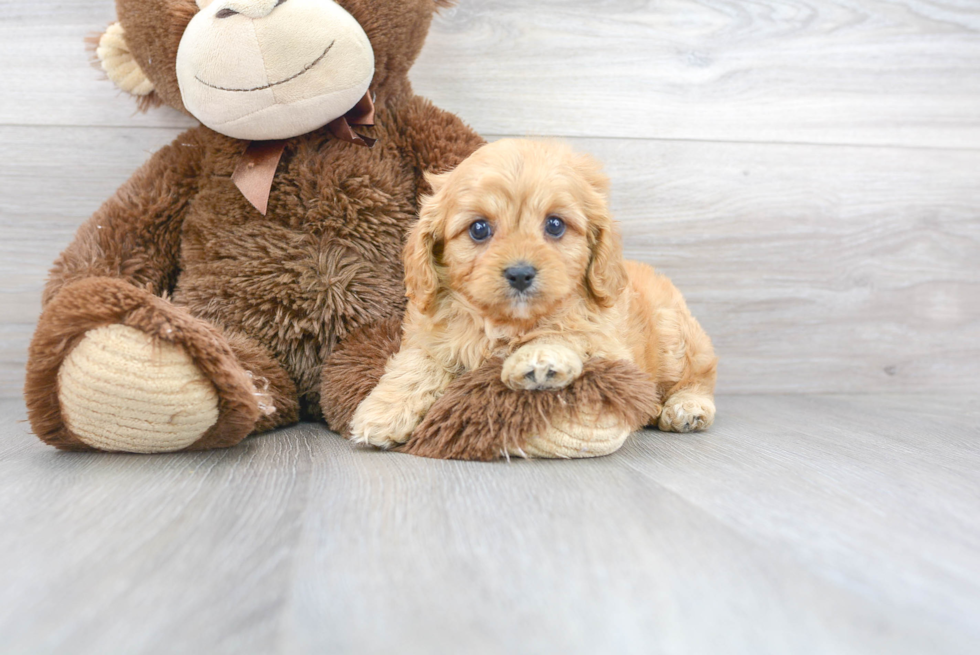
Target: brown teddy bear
201,303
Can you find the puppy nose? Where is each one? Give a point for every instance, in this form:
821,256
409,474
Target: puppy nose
521,276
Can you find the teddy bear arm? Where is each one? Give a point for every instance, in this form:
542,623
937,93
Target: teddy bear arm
135,235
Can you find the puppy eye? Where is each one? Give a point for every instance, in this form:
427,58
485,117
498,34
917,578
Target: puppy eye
226,13
554,227
480,230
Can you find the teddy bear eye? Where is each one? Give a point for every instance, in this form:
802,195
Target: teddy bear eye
554,227
480,230
226,13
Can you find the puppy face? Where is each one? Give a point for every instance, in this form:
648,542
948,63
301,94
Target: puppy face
516,229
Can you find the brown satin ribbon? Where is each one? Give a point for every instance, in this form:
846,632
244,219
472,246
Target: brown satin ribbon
257,167
361,115
255,170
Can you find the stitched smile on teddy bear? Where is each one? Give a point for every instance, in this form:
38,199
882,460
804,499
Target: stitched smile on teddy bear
272,84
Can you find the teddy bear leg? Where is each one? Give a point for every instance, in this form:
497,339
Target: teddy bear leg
589,434
113,367
120,390
479,417
274,391
354,369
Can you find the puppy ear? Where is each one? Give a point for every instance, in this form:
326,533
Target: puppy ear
421,275
606,277
435,181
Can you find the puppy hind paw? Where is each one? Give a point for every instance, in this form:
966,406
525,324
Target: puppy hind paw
687,413
541,366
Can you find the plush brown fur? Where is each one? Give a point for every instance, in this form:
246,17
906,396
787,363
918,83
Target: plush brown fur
354,368
271,297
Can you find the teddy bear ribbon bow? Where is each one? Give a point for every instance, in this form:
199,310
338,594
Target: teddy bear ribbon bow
256,169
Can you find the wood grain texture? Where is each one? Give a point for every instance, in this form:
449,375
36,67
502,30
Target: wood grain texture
805,524
796,524
819,71
816,71
813,268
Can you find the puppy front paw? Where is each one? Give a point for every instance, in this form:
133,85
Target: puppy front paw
541,366
687,412
382,424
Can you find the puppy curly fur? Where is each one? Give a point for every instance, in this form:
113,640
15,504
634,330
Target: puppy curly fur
582,302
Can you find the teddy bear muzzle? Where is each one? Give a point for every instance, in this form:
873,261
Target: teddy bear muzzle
261,69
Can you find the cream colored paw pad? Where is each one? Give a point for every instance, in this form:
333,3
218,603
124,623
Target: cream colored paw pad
121,391
534,367
583,438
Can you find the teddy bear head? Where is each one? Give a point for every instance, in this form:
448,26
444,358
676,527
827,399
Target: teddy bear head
264,69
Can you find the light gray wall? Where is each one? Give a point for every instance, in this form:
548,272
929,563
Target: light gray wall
807,172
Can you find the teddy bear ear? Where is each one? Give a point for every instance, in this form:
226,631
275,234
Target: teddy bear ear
118,63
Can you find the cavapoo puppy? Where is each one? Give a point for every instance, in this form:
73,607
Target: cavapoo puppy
515,255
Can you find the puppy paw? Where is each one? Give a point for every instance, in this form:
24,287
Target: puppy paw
541,366
382,424
687,412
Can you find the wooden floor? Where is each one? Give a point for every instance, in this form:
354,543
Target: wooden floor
820,524
807,172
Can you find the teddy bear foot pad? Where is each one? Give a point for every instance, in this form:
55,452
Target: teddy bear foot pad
121,391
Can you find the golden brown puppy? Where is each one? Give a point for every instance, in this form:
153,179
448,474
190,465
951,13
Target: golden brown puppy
515,255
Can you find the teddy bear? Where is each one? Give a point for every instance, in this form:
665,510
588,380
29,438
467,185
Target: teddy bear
249,275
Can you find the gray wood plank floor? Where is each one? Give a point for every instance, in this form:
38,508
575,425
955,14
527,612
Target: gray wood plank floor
797,524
